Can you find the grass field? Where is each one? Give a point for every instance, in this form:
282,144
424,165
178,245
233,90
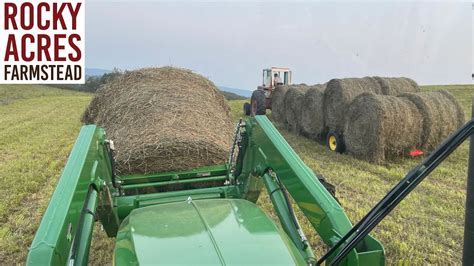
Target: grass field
38,126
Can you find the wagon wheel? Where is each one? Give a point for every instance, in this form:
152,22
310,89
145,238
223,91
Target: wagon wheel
335,141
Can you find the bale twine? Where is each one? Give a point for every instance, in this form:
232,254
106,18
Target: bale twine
293,106
340,93
312,115
278,104
163,119
442,115
396,86
379,127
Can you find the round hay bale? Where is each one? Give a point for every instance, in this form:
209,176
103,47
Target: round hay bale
396,86
163,119
312,115
374,131
339,95
293,106
442,115
413,83
460,118
278,104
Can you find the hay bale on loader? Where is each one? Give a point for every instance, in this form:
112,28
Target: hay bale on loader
293,106
339,95
312,114
163,119
278,103
442,115
379,127
396,86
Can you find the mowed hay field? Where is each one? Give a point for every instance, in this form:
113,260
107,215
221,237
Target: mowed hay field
39,124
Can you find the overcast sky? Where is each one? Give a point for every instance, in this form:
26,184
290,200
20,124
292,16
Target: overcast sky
232,42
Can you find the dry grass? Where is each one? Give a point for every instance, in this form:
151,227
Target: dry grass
39,126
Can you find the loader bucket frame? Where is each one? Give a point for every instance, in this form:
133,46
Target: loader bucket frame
88,188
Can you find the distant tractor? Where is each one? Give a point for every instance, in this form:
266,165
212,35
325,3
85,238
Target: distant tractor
261,99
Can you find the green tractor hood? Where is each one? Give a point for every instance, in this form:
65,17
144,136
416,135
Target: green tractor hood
218,231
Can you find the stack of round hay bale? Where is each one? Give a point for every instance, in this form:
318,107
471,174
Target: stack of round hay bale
378,117
379,127
286,104
299,108
163,119
341,92
314,110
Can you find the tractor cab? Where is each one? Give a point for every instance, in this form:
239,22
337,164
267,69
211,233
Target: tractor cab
261,99
269,82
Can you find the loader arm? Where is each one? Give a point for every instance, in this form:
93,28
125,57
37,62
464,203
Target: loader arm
267,158
65,231
88,190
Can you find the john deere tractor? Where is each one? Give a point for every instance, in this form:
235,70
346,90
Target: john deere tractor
261,99
208,215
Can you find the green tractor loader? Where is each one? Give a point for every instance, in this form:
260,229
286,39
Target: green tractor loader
208,216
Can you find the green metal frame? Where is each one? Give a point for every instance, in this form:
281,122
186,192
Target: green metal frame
266,149
87,187
87,171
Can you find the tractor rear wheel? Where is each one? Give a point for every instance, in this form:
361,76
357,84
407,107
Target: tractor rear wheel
247,109
257,102
335,141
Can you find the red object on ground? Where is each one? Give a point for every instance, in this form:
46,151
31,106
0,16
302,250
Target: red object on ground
415,152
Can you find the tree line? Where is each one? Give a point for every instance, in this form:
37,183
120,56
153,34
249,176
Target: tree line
93,83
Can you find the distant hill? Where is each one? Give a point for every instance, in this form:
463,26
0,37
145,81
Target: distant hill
232,96
245,93
96,72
